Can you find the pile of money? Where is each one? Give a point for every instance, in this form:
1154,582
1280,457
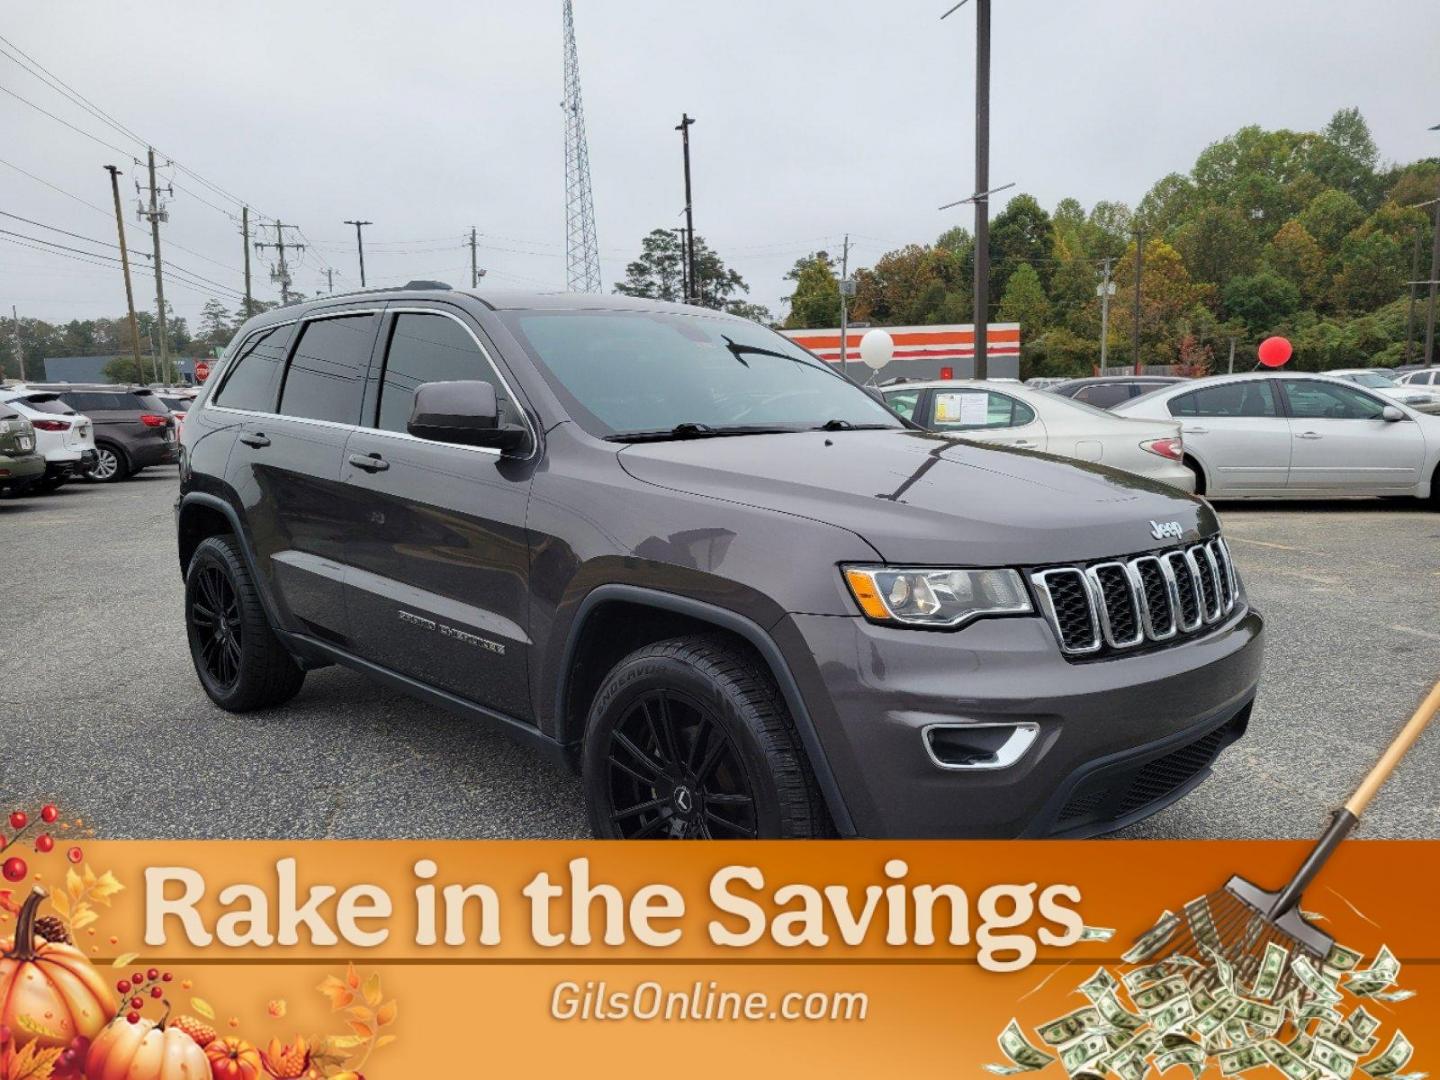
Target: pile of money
1199,1011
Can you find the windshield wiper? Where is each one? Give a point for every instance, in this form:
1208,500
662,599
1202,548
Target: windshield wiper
695,431
850,425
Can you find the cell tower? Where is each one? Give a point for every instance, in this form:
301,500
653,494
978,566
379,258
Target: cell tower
582,253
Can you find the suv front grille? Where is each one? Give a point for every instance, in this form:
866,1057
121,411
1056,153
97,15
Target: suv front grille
1150,599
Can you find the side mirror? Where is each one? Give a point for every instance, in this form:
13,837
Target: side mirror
464,412
1392,414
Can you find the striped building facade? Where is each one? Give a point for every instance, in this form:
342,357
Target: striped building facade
922,352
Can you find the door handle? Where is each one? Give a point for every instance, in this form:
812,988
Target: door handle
256,439
1023,443
371,463
1195,431
1309,435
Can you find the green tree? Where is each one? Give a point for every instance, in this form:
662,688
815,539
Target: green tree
1345,155
1295,256
1263,300
1217,244
123,369
1372,271
816,299
657,273
914,285
1021,233
1025,302
1329,218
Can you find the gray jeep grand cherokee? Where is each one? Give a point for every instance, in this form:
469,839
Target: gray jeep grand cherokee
739,594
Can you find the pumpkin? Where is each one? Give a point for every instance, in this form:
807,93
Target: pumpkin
49,993
233,1059
145,1051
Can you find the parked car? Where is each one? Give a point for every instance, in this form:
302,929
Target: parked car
63,437
1044,382
1417,397
1297,435
133,429
1036,420
20,466
178,402
1108,391
1420,376
677,549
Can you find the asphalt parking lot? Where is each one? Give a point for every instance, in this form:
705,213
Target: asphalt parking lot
100,709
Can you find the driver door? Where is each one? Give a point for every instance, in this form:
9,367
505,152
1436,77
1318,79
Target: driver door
1341,441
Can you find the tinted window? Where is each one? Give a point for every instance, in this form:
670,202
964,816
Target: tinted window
903,402
253,373
97,401
1229,399
645,371
48,404
1330,401
961,409
327,371
1423,378
430,348
1104,395
148,403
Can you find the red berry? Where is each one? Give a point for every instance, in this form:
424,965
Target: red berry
123,986
133,1017
14,869
75,854
19,819
44,843
156,992
152,974
49,813
137,1003
138,978
166,977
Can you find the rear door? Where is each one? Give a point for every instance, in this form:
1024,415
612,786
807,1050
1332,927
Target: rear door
1342,442
285,464
438,582
1237,432
987,416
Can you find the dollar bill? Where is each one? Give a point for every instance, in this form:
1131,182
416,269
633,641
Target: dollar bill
1173,1015
1154,997
1361,1022
1154,939
1242,1059
1319,987
1097,933
1272,966
1191,1056
1302,1044
1347,1038
1149,973
1396,1056
1069,1027
1342,959
1287,1061
1116,1015
1391,996
1223,971
1267,1017
1102,982
1083,1052
1214,1018
1334,1059
1380,974
1023,1057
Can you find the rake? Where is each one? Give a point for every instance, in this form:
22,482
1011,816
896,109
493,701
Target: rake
1239,921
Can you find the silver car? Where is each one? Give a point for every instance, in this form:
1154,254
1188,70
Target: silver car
1296,435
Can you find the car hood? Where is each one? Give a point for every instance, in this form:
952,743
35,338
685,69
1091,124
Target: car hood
929,499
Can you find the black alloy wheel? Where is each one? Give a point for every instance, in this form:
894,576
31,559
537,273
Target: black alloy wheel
215,616
674,773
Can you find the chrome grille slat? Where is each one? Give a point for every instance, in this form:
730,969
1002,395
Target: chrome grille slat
1121,604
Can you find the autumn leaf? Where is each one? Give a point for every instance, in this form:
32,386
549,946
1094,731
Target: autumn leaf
33,1063
386,1013
124,959
88,876
203,1007
84,916
384,1040
352,977
73,884
106,887
342,1042
339,994
372,990
7,902
365,1031
361,1013
35,1027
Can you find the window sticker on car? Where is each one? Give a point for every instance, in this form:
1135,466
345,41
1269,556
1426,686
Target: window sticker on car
962,409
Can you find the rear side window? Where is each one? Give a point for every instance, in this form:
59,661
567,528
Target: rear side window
326,376
149,403
1229,399
963,409
254,373
904,402
89,402
1104,395
48,404
430,348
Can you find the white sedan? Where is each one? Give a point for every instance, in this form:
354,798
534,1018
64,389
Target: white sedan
1015,415
1417,397
1295,435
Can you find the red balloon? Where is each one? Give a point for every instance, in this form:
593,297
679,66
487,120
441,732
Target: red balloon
1274,351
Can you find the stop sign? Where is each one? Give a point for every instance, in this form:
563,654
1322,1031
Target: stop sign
202,370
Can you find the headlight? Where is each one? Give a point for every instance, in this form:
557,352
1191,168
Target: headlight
935,598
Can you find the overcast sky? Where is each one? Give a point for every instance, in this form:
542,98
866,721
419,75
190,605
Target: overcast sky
814,118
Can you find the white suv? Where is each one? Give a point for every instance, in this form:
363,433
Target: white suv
64,437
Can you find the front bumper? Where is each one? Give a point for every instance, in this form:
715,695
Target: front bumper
1118,738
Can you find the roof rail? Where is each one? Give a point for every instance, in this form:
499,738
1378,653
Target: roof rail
424,284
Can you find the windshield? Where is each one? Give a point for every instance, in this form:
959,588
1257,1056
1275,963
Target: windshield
628,372
1369,378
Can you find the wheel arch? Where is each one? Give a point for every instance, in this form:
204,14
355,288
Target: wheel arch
201,516
1202,474
607,626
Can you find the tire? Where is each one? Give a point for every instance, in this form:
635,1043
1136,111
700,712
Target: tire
690,739
111,464
239,660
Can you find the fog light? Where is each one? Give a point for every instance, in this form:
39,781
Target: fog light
977,747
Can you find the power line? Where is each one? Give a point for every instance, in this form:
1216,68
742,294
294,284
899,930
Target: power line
59,120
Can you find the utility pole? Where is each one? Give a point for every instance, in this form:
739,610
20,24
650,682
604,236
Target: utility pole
474,260
245,235
982,188
846,288
330,278
1414,284
684,266
125,266
1232,357
280,274
1139,276
19,350
1429,357
1106,290
155,214
692,288
360,244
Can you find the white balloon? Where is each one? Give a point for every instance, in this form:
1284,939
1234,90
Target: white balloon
877,348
